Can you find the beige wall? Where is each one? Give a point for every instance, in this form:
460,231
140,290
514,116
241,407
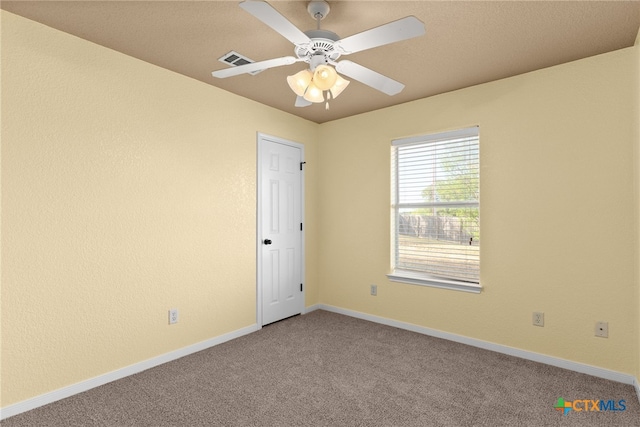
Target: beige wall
126,190
557,211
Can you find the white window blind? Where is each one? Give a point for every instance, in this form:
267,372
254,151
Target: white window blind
436,206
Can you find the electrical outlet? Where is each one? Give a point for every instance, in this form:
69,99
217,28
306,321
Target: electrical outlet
374,290
538,318
602,329
173,316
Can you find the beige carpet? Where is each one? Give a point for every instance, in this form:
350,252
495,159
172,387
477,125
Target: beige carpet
325,369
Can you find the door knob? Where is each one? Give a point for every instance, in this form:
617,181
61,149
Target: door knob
267,242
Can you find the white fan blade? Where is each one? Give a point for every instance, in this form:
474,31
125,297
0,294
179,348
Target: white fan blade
254,66
301,102
369,77
392,32
267,14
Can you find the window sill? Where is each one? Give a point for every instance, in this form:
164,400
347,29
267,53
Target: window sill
422,279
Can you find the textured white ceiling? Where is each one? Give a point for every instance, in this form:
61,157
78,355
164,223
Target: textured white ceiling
466,42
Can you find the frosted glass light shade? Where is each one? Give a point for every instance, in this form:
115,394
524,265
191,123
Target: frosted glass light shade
324,77
340,85
314,94
300,81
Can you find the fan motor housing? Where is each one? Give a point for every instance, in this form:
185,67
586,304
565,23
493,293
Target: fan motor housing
322,42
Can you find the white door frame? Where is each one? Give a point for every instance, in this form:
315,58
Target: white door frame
260,147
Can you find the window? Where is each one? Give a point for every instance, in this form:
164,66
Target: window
436,210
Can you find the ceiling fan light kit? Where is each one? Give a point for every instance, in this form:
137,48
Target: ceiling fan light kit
300,81
314,93
338,87
321,49
311,85
324,77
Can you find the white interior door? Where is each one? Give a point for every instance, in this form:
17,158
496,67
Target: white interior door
280,235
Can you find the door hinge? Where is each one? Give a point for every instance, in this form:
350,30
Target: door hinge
300,287
300,226
302,163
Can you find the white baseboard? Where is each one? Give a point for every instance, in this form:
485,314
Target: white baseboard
311,308
62,393
523,354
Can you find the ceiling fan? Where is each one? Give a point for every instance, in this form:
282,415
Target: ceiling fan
321,49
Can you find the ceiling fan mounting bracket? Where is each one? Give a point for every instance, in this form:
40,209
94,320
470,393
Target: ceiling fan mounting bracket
318,9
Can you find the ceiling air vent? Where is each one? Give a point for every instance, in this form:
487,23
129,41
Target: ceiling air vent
235,59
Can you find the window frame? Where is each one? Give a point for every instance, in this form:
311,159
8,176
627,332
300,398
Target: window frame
417,277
